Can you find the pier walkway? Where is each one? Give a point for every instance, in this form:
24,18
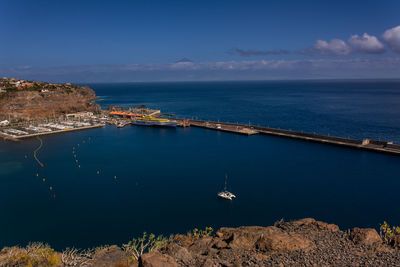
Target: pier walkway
366,144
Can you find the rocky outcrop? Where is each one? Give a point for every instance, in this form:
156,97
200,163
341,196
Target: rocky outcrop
304,242
110,256
366,236
52,101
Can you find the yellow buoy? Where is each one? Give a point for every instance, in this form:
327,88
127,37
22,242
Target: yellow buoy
79,166
51,188
74,155
44,180
37,174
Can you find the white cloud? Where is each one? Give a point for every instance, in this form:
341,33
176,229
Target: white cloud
335,47
392,37
368,44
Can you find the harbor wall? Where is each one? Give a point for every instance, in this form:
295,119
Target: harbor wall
372,145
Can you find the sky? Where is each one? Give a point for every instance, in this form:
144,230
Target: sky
128,41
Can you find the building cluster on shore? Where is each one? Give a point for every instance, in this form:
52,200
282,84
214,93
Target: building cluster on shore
13,84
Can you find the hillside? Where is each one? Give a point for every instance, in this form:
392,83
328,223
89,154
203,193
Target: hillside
30,100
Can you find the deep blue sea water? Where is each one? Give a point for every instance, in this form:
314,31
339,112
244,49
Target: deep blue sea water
167,179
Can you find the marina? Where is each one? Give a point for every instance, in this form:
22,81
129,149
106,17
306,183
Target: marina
22,132
142,117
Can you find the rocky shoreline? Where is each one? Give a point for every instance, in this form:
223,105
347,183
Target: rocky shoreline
304,242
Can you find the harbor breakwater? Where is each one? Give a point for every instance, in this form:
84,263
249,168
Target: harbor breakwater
248,129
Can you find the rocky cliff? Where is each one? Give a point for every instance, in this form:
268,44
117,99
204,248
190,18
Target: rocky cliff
304,242
22,100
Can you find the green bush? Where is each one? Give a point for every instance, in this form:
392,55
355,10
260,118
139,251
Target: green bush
388,233
147,243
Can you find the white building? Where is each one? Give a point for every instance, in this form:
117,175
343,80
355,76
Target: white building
4,123
83,114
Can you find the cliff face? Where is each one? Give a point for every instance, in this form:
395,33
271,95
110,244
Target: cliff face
46,100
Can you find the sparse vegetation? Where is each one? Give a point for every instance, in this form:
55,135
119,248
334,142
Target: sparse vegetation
146,243
75,257
192,236
388,233
35,254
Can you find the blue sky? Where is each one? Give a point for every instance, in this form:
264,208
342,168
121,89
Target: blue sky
140,40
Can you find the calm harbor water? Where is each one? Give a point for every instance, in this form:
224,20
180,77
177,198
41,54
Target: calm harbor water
165,181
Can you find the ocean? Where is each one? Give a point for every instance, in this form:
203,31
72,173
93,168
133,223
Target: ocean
164,181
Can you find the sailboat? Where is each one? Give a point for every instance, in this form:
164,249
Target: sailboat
226,194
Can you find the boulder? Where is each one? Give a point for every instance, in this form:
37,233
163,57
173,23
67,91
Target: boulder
313,223
245,237
220,244
179,253
283,242
109,256
364,236
155,259
201,246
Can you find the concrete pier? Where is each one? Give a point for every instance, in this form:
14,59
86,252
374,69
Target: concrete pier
367,144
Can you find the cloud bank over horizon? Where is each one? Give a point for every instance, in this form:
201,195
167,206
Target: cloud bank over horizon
357,68
255,52
356,44
360,57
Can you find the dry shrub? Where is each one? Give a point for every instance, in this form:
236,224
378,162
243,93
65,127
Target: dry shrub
35,254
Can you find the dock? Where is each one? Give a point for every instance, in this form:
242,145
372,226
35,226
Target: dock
224,127
24,136
247,129
60,131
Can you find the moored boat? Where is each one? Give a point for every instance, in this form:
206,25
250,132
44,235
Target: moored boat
151,121
226,194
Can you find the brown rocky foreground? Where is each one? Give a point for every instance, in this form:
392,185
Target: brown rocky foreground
304,242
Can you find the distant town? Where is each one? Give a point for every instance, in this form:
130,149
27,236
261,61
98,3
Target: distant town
12,84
